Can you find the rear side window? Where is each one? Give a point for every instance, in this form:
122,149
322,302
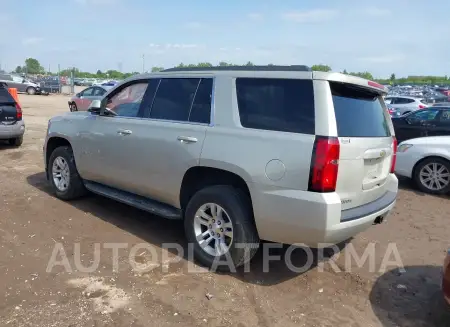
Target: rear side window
285,105
174,98
201,107
359,112
5,97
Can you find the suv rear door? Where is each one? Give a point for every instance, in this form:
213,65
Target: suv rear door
365,135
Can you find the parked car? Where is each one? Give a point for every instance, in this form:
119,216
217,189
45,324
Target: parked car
12,126
446,278
406,104
433,121
426,161
237,153
20,83
81,101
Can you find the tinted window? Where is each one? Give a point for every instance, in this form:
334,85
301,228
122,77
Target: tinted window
5,77
427,114
126,102
99,92
359,112
174,98
445,116
285,105
201,108
5,97
88,92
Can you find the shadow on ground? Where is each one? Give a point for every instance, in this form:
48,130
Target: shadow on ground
408,185
156,231
411,299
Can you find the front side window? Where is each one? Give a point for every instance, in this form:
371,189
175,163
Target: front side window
98,92
127,101
427,114
88,92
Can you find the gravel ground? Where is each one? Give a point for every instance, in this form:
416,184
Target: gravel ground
34,226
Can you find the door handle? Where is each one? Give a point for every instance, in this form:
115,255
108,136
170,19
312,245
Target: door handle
124,132
187,139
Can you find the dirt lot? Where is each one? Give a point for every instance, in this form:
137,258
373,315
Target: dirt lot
33,222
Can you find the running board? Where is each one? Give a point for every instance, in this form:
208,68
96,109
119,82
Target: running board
137,201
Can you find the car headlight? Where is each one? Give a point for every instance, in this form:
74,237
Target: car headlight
404,147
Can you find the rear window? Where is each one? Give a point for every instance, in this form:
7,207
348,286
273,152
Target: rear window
359,112
5,97
285,105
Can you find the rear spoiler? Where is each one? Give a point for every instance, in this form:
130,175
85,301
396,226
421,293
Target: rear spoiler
349,79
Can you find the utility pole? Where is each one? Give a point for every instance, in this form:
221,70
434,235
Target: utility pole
143,63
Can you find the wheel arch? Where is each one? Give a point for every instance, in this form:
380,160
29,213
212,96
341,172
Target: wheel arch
53,143
416,165
198,177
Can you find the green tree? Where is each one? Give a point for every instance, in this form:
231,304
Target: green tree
321,68
157,69
345,72
365,75
224,64
33,66
18,70
249,63
392,77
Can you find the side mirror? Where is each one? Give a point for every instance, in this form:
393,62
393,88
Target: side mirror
95,106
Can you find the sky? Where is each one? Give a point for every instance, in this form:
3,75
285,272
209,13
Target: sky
405,37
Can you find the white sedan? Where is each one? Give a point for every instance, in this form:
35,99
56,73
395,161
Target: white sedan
426,161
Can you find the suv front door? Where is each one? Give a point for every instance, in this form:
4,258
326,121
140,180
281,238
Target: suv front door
112,144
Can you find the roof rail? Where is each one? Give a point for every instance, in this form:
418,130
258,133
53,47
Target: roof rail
293,68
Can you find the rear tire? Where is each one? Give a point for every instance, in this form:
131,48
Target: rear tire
69,178
237,213
73,107
428,168
17,141
31,91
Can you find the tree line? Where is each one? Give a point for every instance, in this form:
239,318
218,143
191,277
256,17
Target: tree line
33,66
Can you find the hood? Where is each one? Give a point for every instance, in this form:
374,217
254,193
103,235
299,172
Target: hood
431,140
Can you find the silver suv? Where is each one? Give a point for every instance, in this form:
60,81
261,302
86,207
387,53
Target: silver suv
240,154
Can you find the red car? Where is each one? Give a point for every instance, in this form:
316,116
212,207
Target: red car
446,278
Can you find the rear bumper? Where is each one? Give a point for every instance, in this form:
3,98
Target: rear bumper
316,219
12,131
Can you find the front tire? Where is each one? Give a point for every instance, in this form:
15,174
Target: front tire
73,107
432,175
219,223
65,180
31,91
17,141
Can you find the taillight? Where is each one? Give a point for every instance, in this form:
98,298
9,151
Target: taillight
394,154
421,106
324,164
18,112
